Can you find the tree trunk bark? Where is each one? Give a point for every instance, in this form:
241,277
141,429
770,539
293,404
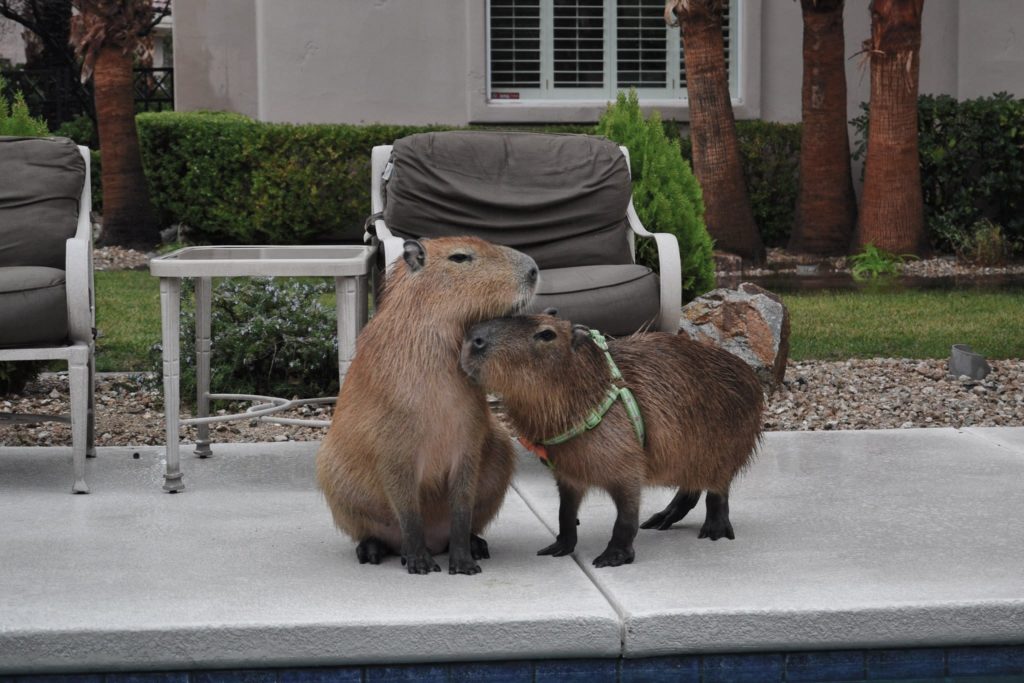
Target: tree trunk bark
127,213
826,208
716,150
892,205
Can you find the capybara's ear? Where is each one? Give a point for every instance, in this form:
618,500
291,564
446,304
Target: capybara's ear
552,311
414,255
580,333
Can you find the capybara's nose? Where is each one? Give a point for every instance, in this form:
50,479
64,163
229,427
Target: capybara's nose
478,343
532,274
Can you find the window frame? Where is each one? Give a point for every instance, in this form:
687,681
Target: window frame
745,77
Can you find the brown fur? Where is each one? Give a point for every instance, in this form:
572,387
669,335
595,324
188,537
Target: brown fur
403,453
701,408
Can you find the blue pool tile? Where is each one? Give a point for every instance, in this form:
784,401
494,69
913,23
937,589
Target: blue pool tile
840,665
576,670
151,677
493,672
407,673
754,668
661,670
348,674
904,664
234,676
986,661
61,678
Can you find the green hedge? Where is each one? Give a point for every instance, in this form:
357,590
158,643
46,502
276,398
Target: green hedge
771,164
972,167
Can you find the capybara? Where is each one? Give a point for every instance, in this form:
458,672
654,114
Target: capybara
700,407
414,462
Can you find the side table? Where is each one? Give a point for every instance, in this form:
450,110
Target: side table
348,265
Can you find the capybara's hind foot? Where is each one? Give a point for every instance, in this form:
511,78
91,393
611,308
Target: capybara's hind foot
372,550
559,548
716,529
614,557
462,565
683,502
478,548
421,562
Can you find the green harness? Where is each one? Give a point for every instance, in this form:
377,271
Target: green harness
594,418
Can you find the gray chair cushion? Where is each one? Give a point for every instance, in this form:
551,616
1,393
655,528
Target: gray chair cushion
41,185
562,199
617,300
33,306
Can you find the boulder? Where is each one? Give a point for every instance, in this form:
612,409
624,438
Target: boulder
748,321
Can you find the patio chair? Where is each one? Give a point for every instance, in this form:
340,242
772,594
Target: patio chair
566,200
46,281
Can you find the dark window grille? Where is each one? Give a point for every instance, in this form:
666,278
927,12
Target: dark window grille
642,47
515,43
578,43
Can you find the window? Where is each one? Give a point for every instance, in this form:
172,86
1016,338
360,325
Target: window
589,50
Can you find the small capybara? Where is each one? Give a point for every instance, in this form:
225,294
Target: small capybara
700,407
414,462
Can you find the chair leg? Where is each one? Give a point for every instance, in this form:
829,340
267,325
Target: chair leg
90,439
78,373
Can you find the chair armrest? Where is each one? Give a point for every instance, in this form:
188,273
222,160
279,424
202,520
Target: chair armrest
78,268
670,272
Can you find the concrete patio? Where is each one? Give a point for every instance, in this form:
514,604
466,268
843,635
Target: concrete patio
876,539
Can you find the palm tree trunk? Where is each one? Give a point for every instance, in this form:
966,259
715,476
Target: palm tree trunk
892,206
716,150
826,208
127,212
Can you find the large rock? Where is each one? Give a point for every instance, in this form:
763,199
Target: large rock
748,321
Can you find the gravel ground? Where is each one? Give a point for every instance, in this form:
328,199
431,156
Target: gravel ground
854,394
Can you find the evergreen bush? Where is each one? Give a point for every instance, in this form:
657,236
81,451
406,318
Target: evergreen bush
666,194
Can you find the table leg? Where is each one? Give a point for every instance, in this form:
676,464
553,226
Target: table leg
204,298
350,293
170,308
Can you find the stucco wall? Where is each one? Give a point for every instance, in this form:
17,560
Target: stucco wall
215,56
423,61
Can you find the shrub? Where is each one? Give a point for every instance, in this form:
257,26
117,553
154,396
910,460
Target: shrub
666,194
274,337
79,129
972,166
15,118
771,165
875,262
235,180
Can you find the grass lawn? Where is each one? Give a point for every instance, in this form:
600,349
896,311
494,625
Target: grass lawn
825,325
904,324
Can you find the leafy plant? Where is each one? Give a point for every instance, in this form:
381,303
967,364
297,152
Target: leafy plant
666,194
972,166
275,337
983,243
770,153
15,118
875,262
80,129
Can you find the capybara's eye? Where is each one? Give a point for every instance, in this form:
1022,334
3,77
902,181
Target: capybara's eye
459,257
545,335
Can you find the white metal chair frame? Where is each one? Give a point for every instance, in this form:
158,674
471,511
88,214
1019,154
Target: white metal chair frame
670,275
80,351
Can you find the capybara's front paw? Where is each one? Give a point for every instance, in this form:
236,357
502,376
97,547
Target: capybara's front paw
559,548
613,557
478,548
372,550
716,529
420,562
462,565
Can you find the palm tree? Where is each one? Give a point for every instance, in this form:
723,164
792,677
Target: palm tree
892,206
716,149
106,35
826,208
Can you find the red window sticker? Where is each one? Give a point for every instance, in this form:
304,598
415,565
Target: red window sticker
504,96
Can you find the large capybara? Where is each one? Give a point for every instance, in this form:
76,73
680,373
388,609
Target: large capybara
414,462
700,409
